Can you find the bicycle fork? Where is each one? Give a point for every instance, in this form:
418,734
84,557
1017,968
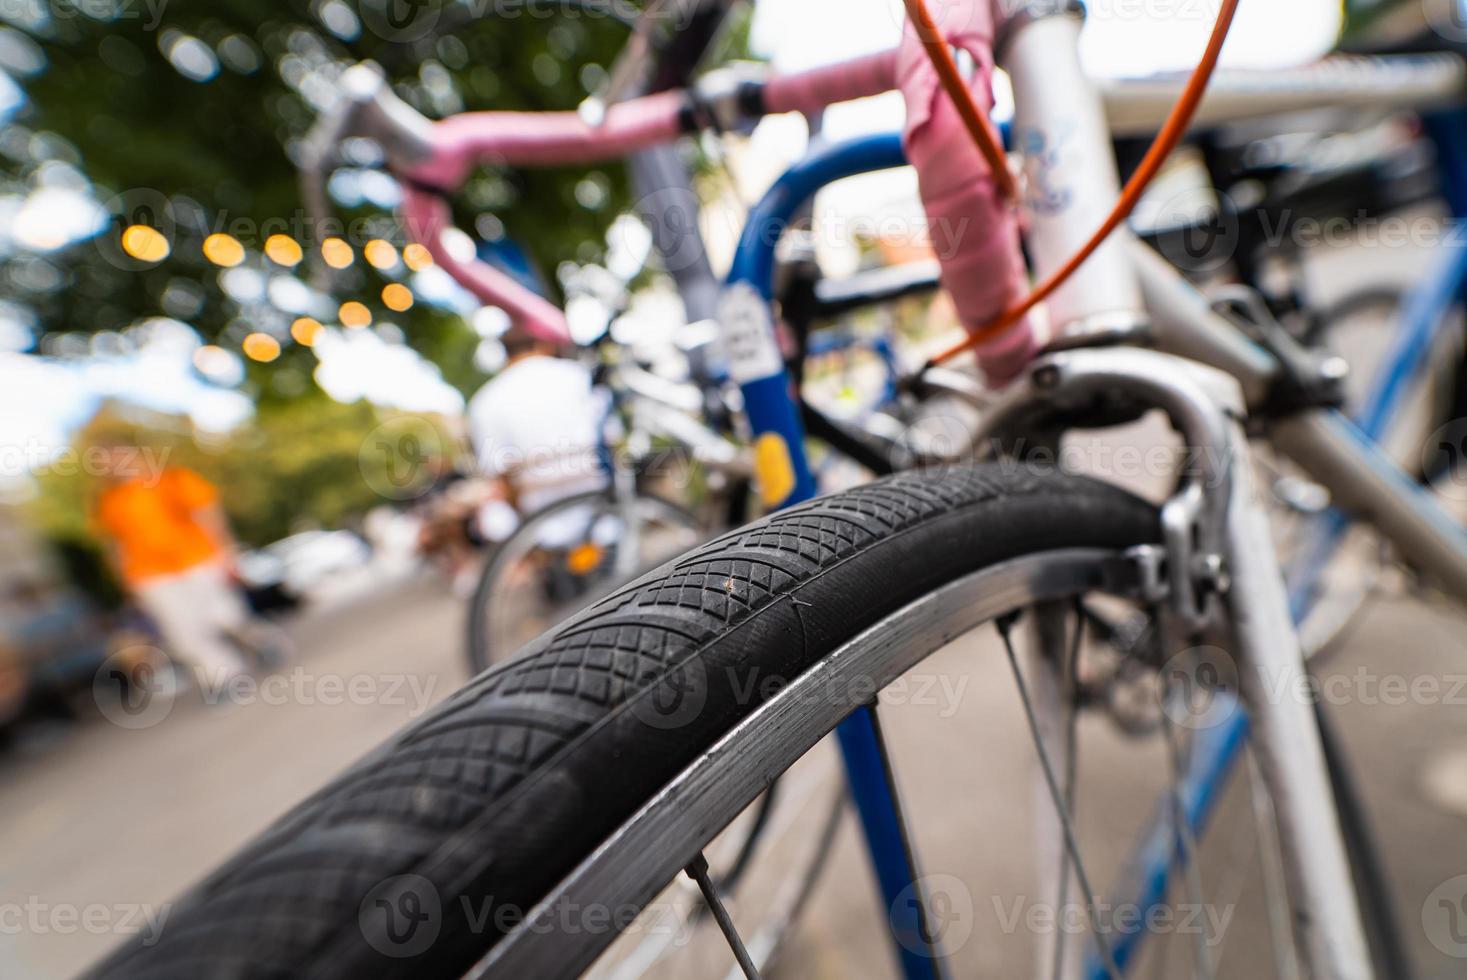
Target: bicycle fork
1218,555
1274,684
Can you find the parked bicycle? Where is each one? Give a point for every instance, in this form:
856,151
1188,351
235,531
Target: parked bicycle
629,747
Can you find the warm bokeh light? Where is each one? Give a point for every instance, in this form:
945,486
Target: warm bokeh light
305,331
145,244
417,257
222,249
355,315
380,254
337,253
283,250
397,297
261,347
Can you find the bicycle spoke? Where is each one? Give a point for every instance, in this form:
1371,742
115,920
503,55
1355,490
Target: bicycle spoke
1241,845
1052,664
1186,840
698,871
924,923
1057,798
1069,687
1275,898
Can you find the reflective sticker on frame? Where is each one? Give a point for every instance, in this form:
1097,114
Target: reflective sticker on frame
748,334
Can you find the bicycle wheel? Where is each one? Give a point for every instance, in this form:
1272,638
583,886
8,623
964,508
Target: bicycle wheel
562,558
1358,327
582,776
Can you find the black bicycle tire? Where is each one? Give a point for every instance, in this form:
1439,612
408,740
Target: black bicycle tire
484,797
846,557
476,642
1366,298
1372,885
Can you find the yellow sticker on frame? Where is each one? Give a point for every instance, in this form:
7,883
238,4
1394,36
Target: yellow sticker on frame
774,467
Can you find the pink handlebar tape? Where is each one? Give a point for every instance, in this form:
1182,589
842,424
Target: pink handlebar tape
811,91
547,139
427,216
974,232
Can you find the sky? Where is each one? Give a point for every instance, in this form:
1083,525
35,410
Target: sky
1121,38
42,401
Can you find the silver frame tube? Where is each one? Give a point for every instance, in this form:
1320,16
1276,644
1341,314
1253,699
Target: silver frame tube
1288,747
1230,523
1388,83
1069,164
1324,444
1362,481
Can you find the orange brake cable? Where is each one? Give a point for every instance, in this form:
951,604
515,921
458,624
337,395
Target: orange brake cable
979,126
1177,123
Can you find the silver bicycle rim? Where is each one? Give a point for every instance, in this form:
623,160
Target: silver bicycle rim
667,834
526,540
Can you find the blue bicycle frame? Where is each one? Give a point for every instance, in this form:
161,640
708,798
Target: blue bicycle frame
773,414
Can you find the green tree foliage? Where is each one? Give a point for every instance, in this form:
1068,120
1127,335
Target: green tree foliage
186,115
306,462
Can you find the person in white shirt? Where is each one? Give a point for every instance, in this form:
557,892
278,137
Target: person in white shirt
536,428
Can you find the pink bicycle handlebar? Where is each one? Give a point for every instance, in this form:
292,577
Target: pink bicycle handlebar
974,232
427,216
813,90
523,139
548,139
975,235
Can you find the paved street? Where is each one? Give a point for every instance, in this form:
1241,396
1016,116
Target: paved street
104,824
101,816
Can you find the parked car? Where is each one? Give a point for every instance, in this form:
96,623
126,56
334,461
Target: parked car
300,568
52,640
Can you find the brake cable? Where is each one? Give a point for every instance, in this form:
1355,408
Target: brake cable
1177,123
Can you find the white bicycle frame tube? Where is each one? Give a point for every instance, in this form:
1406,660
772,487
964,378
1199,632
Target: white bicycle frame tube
1060,124
1138,106
1070,179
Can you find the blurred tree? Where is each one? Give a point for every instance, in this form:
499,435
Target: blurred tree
303,463
185,116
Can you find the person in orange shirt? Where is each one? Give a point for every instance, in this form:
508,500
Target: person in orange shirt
172,545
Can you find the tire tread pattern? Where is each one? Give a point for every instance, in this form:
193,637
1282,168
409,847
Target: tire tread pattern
486,794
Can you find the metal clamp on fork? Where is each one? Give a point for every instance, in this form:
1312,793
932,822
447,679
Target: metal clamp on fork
1090,387
1213,526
